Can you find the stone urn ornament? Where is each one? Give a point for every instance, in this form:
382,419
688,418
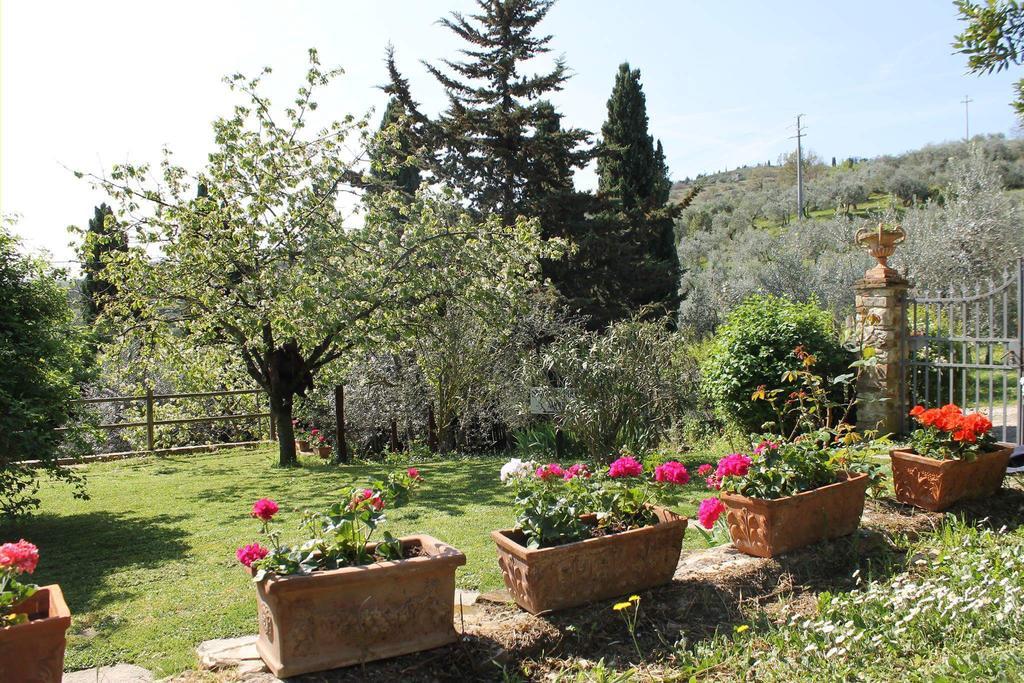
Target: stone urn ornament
881,243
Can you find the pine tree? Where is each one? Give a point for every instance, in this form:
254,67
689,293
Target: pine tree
102,238
495,142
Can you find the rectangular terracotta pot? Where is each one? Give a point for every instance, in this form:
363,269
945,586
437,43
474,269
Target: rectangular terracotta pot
35,651
936,484
335,618
768,528
549,579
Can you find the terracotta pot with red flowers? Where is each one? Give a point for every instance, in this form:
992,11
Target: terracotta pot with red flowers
33,620
339,598
952,457
576,531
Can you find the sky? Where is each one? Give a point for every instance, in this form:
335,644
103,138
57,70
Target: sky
87,85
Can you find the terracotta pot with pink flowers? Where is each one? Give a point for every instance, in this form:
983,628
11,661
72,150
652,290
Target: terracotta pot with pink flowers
33,620
952,457
340,598
787,495
576,528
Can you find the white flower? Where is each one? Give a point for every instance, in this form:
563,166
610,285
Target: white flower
517,469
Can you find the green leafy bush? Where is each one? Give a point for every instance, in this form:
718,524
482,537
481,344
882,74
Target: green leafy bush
45,358
754,348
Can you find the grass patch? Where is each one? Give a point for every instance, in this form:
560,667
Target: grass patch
147,564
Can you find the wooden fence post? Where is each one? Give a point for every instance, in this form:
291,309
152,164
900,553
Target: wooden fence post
149,420
273,422
339,422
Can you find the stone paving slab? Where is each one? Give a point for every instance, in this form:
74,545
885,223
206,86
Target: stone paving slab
119,673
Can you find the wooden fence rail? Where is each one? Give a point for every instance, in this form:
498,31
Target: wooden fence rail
151,422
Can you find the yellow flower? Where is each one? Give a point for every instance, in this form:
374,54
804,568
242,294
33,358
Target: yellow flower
619,606
634,598
741,629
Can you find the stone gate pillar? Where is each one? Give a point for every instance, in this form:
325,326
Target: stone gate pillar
880,310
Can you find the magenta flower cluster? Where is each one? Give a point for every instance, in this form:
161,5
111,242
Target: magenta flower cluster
672,472
626,466
264,509
709,511
248,554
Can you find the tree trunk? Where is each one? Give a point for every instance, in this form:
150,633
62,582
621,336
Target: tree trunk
281,409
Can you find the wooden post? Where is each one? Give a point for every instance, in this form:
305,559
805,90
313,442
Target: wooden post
273,422
149,420
339,423
394,435
431,429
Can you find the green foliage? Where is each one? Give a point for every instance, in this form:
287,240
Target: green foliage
993,39
623,387
262,265
45,355
754,349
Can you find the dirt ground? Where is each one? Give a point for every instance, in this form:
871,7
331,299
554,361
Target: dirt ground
713,591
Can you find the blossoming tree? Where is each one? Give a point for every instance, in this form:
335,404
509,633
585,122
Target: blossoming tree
252,253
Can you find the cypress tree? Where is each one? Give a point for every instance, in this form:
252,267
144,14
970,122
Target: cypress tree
634,186
103,238
390,157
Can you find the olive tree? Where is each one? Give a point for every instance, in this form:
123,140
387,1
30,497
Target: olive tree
253,254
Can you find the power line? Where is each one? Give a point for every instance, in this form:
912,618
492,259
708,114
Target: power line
966,101
799,168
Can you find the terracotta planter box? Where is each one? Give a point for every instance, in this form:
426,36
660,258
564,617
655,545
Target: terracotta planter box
549,579
35,651
768,528
340,617
936,484
324,451
302,446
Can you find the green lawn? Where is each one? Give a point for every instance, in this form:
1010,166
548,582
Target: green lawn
147,564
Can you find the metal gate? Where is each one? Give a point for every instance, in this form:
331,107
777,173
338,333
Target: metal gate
968,350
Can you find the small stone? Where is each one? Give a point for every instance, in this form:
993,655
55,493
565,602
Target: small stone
225,653
466,598
498,597
119,673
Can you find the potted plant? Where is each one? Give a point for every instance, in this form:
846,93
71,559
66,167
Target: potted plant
340,598
805,486
952,457
583,537
318,443
33,620
302,437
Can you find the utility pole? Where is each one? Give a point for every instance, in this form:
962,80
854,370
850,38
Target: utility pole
966,101
799,169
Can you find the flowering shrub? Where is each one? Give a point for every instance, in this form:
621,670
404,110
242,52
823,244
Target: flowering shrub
337,537
553,499
311,435
15,559
947,432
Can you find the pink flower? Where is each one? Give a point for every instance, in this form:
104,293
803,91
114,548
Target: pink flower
577,470
713,482
709,511
264,509
704,470
764,446
672,472
413,473
248,554
625,467
22,557
314,431
550,471
733,465
369,497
